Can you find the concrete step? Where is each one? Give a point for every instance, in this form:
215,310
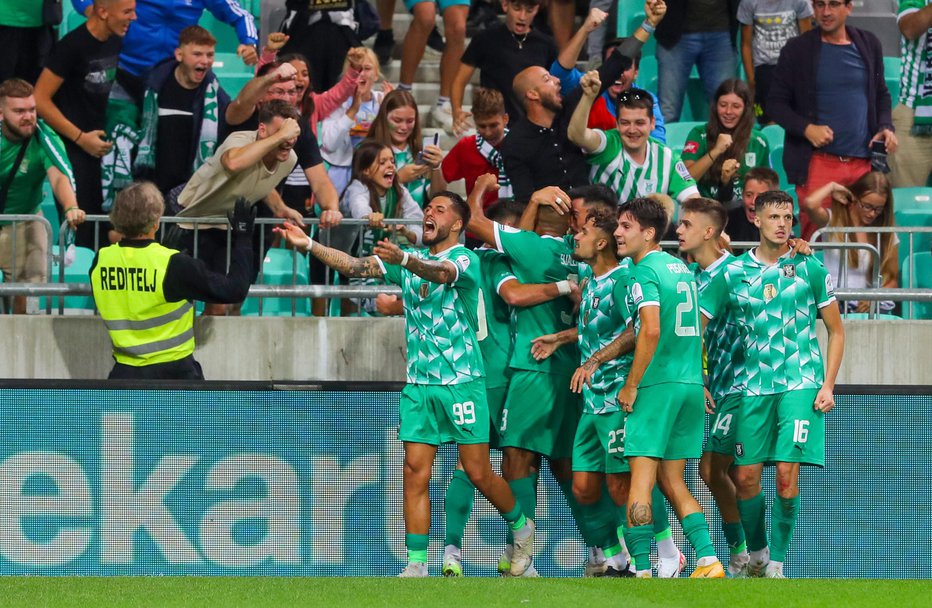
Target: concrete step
427,71
427,92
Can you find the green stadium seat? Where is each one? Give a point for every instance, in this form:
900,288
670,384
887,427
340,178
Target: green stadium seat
913,218
232,72
227,42
776,162
695,104
775,135
891,73
912,198
281,267
677,132
857,316
922,263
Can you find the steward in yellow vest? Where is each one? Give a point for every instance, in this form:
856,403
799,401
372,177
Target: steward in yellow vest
143,290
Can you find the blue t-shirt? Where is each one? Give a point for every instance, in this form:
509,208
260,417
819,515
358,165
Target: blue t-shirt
841,98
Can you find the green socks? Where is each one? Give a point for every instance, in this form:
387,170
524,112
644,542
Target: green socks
696,529
782,524
458,507
599,523
734,536
753,511
525,491
417,547
638,541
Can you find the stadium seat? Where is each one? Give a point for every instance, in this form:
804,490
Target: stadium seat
891,74
281,267
227,42
912,198
775,135
232,72
776,162
677,132
49,209
695,105
922,263
913,218
859,316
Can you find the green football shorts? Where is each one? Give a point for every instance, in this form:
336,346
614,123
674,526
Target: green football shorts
496,400
668,422
436,414
724,424
599,446
781,428
540,414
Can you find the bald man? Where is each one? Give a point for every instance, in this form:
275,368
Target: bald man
537,151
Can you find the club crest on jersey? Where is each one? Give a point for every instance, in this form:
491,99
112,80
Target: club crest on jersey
789,271
750,159
739,449
425,290
770,291
647,186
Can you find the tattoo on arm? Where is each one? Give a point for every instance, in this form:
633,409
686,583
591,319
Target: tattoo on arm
434,271
640,514
346,264
621,345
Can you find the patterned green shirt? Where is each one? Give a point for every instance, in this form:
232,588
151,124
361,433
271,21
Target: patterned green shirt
603,315
775,308
914,58
756,155
495,338
416,188
663,171
664,281
540,259
441,319
722,337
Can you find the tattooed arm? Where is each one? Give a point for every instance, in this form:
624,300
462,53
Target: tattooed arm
340,261
434,271
622,345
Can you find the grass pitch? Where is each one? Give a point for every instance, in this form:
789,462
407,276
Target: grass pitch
167,592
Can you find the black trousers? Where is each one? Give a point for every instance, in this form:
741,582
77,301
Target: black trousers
182,369
25,50
325,45
87,178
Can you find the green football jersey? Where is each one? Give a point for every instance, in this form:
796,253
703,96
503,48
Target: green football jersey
603,315
722,337
494,334
417,188
441,320
540,259
775,308
914,59
663,171
757,154
664,281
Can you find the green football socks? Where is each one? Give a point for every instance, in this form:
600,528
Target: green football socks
457,506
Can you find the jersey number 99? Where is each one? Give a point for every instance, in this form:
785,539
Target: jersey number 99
464,413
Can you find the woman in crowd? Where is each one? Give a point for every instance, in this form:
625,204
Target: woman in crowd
397,125
868,203
348,125
736,143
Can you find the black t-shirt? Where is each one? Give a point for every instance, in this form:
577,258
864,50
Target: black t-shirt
739,228
306,147
495,52
174,162
707,16
88,68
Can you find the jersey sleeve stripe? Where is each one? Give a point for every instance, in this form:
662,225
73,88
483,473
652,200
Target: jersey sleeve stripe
498,288
908,11
689,192
647,303
381,264
498,240
705,312
822,305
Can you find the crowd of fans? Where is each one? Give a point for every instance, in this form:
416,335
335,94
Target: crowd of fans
131,95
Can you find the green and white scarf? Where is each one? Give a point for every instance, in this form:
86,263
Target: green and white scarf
207,141
116,167
922,119
53,148
494,158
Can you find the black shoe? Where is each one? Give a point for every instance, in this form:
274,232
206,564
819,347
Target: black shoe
612,573
435,40
383,46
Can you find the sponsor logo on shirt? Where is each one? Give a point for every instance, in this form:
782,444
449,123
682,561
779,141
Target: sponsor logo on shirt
425,290
637,295
683,171
789,271
829,285
770,291
739,449
462,262
691,147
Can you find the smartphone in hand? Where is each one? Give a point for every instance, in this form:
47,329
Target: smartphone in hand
429,140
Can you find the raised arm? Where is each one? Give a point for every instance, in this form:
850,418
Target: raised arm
479,224
333,98
435,271
461,117
570,53
241,108
343,263
235,160
578,133
516,293
916,23
812,204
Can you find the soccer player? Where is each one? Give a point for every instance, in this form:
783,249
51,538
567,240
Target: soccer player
627,159
663,392
786,387
540,413
700,227
444,400
500,292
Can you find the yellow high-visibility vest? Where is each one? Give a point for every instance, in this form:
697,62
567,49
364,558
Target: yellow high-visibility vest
144,328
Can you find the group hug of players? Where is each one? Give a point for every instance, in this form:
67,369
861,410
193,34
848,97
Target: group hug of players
584,301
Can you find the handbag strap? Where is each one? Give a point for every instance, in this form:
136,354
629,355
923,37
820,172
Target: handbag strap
12,174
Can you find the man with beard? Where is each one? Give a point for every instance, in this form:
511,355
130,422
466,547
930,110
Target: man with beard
537,152
444,400
29,152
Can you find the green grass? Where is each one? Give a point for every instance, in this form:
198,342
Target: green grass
166,592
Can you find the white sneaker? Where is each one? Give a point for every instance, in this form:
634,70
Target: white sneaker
774,570
414,570
670,567
523,554
531,572
595,565
504,561
643,574
757,566
442,116
452,561
738,565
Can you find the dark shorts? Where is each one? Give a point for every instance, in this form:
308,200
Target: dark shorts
183,369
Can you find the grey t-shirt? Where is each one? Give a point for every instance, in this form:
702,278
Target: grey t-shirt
774,22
